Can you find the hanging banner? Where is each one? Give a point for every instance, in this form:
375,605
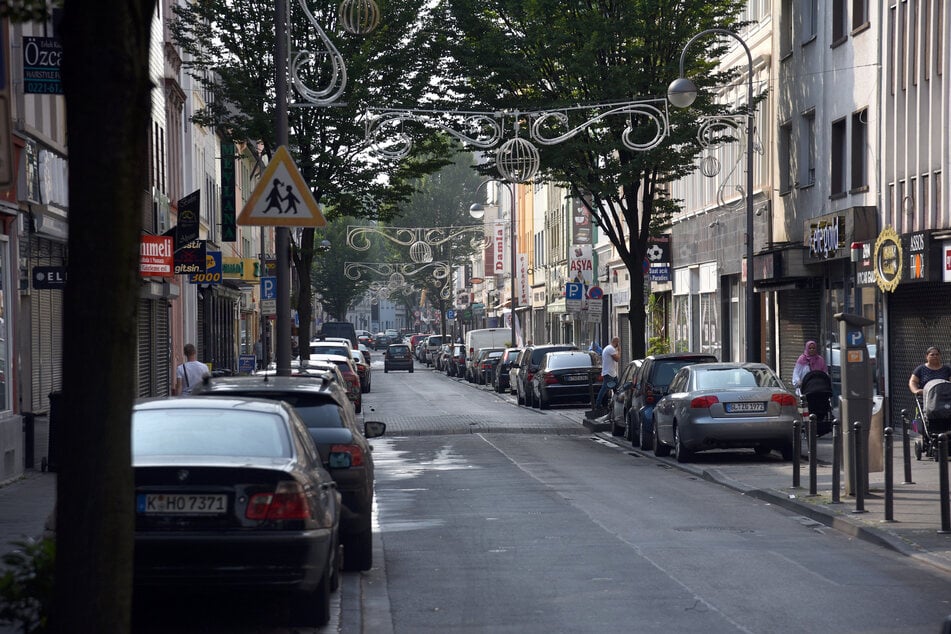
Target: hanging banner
524,292
581,264
580,223
498,249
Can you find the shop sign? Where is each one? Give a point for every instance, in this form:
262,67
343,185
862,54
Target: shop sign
864,270
247,269
581,264
888,260
658,257
190,258
826,238
212,272
580,223
156,258
946,253
917,246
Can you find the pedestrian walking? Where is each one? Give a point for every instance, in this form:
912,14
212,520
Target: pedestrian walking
610,356
930,370
190,372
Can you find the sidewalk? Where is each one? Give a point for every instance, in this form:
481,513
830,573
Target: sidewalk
917,511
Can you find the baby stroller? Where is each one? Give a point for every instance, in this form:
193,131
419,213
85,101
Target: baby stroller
934,412
816,389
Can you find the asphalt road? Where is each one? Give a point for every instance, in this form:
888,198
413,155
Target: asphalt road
497,518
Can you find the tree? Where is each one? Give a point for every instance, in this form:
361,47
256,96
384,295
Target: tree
442,199
336,291
108,93
546,55
228,47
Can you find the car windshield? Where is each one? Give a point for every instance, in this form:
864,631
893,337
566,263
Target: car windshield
665,370
324,348
204,431
559,361
399,349
730,378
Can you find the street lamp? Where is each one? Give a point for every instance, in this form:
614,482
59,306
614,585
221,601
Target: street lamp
477,211
681,93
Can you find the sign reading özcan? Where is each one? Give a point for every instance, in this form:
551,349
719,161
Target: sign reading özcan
42,57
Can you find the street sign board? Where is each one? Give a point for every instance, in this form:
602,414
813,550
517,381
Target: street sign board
595,292
246,363
574,292
275,199
595,308
269,295
450,314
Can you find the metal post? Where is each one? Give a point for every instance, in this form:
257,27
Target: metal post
889,476
797,451
906,446
512,229
813,458
836,460
943,484
857,467
282,238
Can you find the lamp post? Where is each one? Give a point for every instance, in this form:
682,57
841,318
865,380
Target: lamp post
681,93
477,211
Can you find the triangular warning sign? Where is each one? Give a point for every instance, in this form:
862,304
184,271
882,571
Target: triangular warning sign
281,197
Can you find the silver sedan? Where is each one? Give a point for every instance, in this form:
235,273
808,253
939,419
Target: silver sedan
725,405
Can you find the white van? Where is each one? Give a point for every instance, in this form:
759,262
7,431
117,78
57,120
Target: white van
487,338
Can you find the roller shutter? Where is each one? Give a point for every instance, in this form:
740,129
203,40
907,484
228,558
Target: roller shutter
917,319
46,327
144,347
799,322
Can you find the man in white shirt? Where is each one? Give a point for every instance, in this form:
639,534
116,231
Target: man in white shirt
190,372
610,357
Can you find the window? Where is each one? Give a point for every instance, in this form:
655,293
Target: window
890,55
925,39
839,20
938,37
839,152
859,13
859,145
902,58
785,158
807,150
785,34
810,21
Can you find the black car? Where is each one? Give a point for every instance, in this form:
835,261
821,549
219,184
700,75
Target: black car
570,376
231,492
500,380
650,384
398,357
341,442
528,364
483,368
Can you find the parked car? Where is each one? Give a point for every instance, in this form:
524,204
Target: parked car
381,341
500,378
363,370
341,442
621,401
397,357
488,360
650,383
429,349
725,405
232,492
456,364
349,371
342,329
565,377
332,346
514,372
528,364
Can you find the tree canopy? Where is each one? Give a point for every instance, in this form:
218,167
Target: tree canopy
547,55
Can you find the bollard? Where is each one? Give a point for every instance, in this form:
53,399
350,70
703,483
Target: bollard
813,455
906,446
943,484
836,460
857,482
889,476
797,451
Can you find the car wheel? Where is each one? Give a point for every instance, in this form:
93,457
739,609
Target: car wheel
683,454
521,401
786,451
411,370
386,370
647,440
543,403
660,449
762,450
358,406
358,550
312,609
617,430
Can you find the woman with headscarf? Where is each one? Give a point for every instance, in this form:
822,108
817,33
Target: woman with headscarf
809,360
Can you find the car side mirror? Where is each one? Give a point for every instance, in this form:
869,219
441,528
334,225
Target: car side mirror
374,429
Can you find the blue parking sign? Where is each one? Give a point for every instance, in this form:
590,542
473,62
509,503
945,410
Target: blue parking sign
574,290
269,287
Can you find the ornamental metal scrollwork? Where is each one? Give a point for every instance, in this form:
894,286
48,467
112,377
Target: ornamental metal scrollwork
715,131
356,270
420,240
476,129
655,116
327,65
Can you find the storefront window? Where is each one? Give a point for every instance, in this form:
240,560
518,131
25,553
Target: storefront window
682,323
709,321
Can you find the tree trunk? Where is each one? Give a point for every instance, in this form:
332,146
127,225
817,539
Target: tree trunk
108,103
636,314
303,263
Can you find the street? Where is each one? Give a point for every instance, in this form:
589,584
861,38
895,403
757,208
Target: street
533,525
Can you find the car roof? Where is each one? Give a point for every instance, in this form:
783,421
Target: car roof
681,355
264,384
268,406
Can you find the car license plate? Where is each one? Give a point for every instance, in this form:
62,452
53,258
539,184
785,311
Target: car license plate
575,378
181,503
737,408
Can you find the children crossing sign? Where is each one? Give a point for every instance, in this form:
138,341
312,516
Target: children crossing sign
281,197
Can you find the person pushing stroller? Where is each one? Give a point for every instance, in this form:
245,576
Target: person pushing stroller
930,370
812,381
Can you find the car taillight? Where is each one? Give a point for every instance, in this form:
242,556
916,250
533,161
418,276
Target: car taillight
549,378
286,502
703,402
529,376
356,454
784,400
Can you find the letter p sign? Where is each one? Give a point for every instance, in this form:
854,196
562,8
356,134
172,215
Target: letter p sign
269,287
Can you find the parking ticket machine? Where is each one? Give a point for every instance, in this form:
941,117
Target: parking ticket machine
857,390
